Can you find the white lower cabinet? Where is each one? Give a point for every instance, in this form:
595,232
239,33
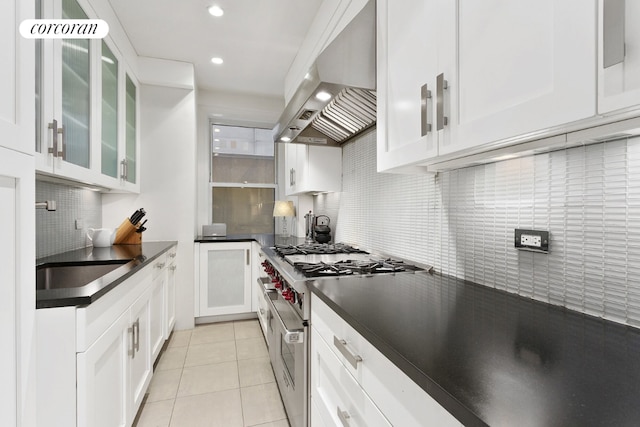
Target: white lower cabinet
141,361
224,278
102,378
158,289
336,395
399,400
114,372
95,362
170,294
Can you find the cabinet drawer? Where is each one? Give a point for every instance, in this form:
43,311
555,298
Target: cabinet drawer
159,265
337,396
401,400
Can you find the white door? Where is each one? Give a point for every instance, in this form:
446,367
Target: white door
8,323
103,377
225,278
16,77
17,214
619,57
170,300
157,314
141,366
407,67
523,67
324,168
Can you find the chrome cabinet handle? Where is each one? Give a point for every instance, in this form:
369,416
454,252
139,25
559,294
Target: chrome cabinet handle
160,265
53,143
57,148
344,417
425,96
132,349
441,86
61,142
136,334
613,32
248,256
341,345
123,169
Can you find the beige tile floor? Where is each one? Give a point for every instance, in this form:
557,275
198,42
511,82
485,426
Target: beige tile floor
214,375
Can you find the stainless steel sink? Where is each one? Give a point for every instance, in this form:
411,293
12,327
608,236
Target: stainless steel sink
73,276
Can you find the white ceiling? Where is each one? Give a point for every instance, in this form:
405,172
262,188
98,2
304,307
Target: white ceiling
258,39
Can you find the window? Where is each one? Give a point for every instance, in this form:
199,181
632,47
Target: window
242,179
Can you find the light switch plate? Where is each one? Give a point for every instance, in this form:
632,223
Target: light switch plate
532,240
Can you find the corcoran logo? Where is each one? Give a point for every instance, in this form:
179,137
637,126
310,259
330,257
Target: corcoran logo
64,28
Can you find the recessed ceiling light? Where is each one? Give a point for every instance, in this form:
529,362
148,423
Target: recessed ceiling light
323,96
285,139
216,139
216,10
217,60
216,130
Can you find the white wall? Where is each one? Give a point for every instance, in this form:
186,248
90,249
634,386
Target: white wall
462,222
167,183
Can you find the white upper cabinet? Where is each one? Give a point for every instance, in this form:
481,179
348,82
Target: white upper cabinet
310,169
454,76
16,78
619,55
523,67
84,119
407,43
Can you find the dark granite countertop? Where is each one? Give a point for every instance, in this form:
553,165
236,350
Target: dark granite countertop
139,256
494,358
265,240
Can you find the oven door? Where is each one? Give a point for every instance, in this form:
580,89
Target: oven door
290,360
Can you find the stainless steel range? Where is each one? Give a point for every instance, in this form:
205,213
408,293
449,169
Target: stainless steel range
290,268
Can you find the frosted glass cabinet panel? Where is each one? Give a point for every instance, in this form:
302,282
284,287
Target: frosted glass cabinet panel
76,91
224,285
109,112
131,132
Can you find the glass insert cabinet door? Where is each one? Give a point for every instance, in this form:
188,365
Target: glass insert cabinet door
224,285
109,158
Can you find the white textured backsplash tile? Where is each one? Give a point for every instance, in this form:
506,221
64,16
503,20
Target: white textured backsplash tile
462,222
56,231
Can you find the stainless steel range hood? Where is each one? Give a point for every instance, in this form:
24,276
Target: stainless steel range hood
346,71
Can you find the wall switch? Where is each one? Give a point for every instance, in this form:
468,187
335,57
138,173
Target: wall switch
532,240
79,224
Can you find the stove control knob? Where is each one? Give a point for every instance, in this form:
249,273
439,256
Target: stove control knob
278,284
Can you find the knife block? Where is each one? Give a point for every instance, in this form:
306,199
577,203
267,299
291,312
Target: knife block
126,234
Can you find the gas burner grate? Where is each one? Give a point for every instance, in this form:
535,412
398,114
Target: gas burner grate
316,249
346,267
321,269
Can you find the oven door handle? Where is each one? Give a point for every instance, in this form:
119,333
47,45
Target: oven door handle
290,336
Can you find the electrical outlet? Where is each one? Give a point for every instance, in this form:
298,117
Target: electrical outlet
79,224
532,240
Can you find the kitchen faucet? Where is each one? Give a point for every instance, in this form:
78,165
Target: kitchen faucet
49,205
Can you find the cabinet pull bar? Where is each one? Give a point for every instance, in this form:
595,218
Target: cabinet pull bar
425,95
132,349
341,345
61,142
441,85
123,169
248,256
344,417
136,334
613,32
53,146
